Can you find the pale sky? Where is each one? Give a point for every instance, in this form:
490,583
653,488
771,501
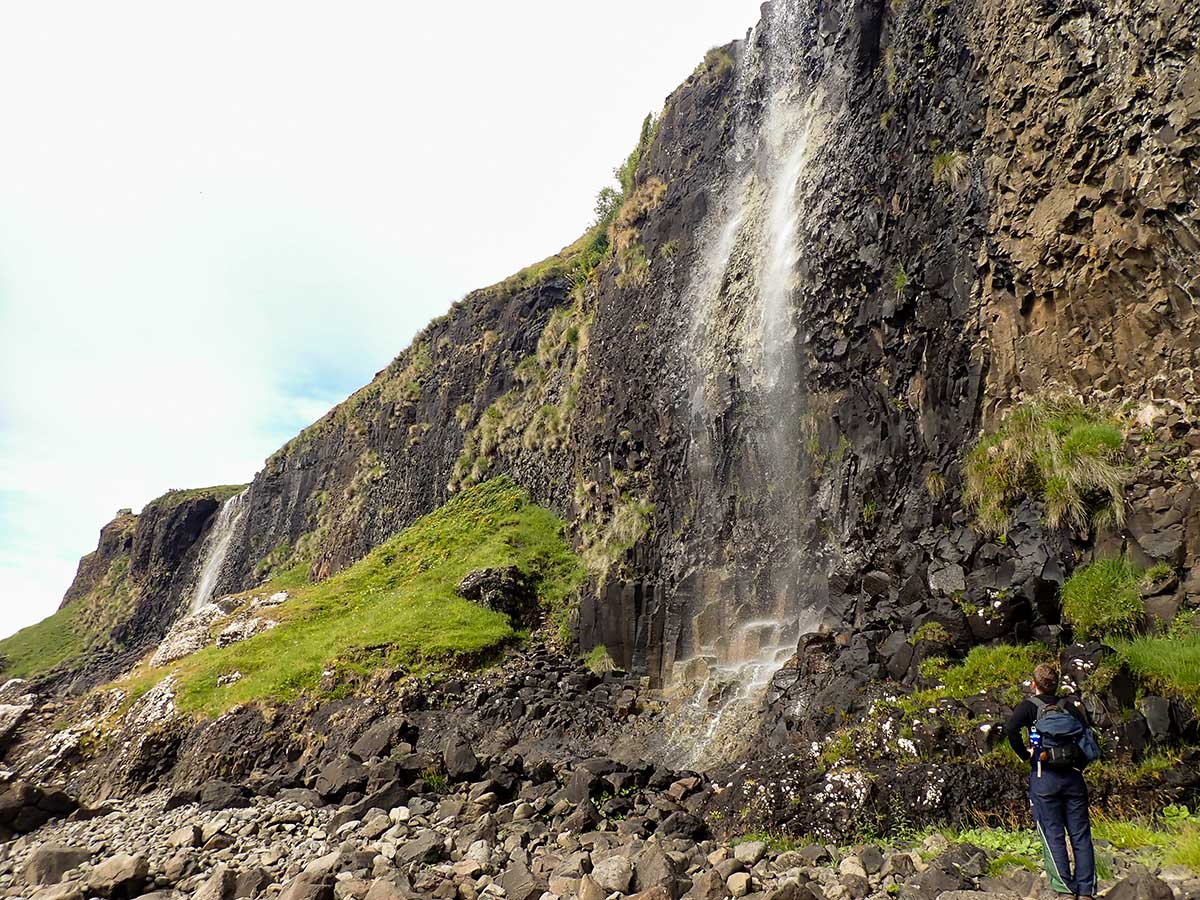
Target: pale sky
217,220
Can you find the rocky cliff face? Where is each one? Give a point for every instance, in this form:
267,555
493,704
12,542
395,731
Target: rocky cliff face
850,241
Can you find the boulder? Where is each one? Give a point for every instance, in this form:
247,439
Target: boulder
340,777
739,884
590,890
119,877
1140,886
749,852
505,590
521,884
426,847
67,890
459,758
187,836
221,885
709,885
654,868
380,739
613,874
794,890
655,893
304,887
387,889
217,795
50,862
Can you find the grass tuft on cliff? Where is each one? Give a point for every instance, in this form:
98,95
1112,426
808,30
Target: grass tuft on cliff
1103,598
396,607
1055,450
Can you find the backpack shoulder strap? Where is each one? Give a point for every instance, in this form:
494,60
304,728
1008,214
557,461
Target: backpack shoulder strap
1038,703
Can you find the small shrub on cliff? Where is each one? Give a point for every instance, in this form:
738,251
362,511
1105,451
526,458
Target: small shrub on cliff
1102,598
950,169
1054,450
599,660
717,62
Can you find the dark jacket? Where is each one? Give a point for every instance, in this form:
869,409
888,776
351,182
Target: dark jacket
1026,714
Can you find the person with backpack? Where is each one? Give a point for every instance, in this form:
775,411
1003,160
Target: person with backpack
1061,743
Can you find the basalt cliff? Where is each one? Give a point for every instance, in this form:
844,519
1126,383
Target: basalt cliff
875,383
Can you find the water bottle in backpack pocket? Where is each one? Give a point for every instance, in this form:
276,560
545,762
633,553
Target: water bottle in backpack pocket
1063,740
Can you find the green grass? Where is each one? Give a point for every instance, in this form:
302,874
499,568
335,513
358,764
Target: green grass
69,633
1019,848
934,632
1103,598
1166,665
1185,850
985,668
41,647
776,843
599,660
395,607
220,493
1055,450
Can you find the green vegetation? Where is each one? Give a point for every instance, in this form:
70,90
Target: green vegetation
984,669
396,607
82,625
625,231
935,485
935,632
1168,665
604,546
1001,667
950,169
1013,849
599,660
172,499
1173,839
1103,598
717,61
41,647
777,843
537,414
900,280
1054,450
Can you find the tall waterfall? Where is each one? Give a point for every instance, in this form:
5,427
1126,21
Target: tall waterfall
752,593
216,547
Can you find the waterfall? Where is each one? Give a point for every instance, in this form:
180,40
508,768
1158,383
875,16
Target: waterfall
216,547
753,591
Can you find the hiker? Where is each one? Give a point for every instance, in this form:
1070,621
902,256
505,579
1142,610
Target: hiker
1057,791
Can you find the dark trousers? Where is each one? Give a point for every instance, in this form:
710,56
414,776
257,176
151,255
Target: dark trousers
1060,808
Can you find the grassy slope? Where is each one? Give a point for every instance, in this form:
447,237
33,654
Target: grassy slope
41,647
396,607
71,631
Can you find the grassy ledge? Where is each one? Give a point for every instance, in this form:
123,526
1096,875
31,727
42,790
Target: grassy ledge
397,607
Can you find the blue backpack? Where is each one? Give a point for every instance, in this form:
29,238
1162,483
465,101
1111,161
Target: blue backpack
1065,742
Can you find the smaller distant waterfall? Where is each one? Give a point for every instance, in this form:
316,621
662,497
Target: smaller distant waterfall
216,547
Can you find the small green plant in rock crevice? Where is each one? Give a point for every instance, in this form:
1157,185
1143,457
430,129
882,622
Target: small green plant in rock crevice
1055,450
950,169
599,660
